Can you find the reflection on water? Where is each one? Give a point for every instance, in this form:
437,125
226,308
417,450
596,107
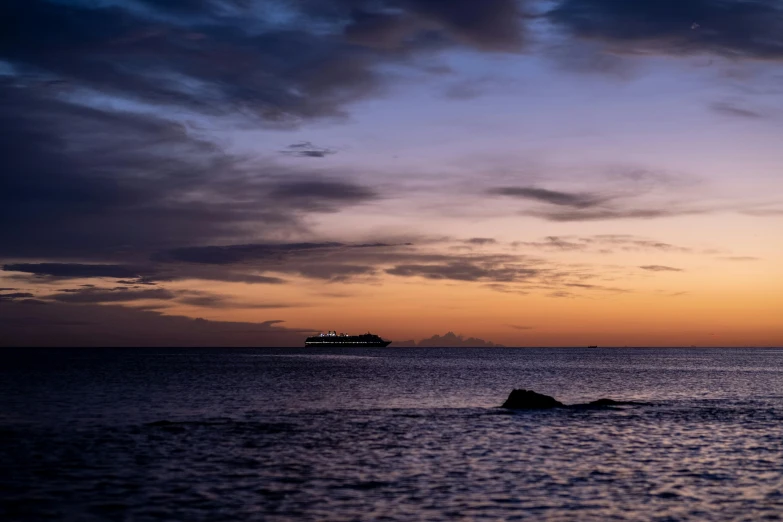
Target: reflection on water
406,434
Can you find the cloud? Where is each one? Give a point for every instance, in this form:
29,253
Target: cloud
75,270
602,243
306,149
362,262
481,241
583,206
561,295
632,243
764,212
465,271
660,268
88,183
60,324
620,192
216,57
730,28
731,109
134,282
95,295
452,340
320,194
99,164
609,214
506,288
739,258
330,261
518,327
150,275
92,295
101,186
15,295
552,197
492,25
213,300
233,254
250,263
335,272
555,243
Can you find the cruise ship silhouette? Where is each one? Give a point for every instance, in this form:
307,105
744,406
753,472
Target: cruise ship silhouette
335,340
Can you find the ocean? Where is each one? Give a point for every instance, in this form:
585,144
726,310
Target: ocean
389,434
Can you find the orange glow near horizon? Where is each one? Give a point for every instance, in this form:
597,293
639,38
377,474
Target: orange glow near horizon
713,307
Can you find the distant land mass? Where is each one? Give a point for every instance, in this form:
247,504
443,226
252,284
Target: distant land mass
448,340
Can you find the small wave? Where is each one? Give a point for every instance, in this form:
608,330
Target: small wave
311,356
255,427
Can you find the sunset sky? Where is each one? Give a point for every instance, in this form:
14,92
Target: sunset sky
532,173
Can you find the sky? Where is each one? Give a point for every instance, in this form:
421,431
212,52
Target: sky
530,173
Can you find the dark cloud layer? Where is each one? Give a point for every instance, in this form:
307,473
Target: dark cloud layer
99,170
15,295
96,170
75,270
211,58
234,254
83,182
320,195
341,262
731,28
25,323
94,295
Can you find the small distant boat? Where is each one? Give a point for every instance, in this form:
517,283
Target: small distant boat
335,340
593,346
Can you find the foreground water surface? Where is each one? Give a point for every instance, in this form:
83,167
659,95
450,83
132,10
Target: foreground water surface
389,434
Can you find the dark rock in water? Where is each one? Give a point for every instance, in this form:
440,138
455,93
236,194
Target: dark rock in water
604,402
530,400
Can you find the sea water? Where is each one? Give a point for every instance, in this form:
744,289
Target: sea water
389,434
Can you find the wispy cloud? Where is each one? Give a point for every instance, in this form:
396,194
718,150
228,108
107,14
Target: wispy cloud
306,149
606,214
739,258
603,243
660,268
736,110
204,299
481,241
553,197
621,198
465,271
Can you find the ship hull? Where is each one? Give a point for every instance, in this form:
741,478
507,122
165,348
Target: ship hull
338,344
